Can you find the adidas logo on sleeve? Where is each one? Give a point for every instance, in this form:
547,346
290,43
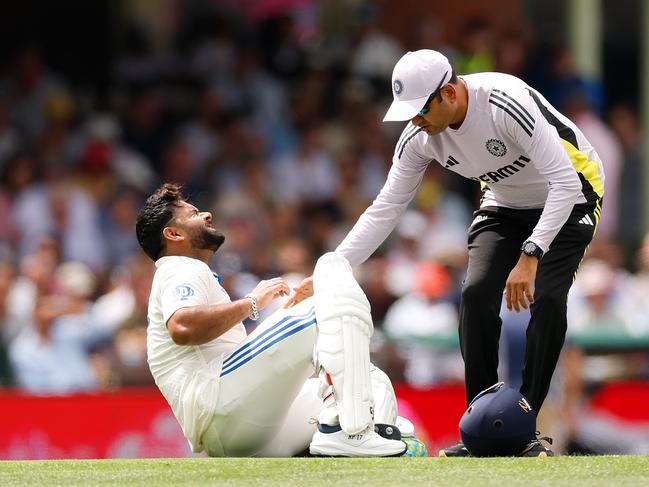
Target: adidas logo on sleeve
587,220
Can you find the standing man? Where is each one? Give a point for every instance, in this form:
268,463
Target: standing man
543,185
238,395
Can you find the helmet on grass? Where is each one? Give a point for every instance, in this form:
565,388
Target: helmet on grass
499,422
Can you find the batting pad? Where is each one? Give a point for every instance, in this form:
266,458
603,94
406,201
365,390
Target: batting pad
344,330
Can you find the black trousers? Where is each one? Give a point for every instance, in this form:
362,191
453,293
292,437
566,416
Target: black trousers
495,239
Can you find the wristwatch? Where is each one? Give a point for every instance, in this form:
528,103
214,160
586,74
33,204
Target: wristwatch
531,249
255,311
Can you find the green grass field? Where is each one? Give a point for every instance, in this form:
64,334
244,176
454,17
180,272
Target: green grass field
616,471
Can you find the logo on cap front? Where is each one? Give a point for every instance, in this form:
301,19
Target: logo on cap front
397,86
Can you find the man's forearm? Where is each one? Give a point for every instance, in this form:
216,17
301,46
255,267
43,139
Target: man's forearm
196,325
378,221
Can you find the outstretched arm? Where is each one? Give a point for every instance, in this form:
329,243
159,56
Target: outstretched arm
377,221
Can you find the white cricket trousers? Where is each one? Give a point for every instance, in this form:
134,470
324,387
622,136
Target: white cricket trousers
266,404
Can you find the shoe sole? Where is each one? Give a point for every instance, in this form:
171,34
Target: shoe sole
366,454
321,455
442,454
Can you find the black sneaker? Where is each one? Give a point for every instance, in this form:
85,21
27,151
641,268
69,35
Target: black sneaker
457,450
535,449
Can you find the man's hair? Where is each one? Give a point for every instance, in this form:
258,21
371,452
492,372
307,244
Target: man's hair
154,217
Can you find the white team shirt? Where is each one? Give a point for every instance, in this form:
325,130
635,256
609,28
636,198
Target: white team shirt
524,152
188,375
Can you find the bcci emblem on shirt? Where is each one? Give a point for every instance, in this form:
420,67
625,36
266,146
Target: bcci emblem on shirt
184,291
496,147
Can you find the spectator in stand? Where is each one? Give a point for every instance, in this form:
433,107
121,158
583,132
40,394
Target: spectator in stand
127,356
7,276
55,143
117,226
559,80
35,279
309,174
423,313
127,295
477,49
179,164
121,314
31,85
213,53
607,145
376,51
94,173
57,208
279,44
630,215
602,301
11,139
241,142
350,197
447,218
202,133
638,290
265,98
403,257
428,32
99,147
145,127
53,355
20,171
512,53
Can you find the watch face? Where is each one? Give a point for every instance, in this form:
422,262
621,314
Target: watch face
530,247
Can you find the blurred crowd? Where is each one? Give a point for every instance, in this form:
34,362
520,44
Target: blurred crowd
274,125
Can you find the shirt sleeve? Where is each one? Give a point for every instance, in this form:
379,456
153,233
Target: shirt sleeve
378,221
184,286
549,156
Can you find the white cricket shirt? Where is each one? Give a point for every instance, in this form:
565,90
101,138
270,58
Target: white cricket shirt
187,375
524,152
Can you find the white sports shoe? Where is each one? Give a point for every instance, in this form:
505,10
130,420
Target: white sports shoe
367,443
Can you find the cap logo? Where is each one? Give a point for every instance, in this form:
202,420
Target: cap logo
397,86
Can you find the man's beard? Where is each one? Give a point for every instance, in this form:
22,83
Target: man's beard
207,238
